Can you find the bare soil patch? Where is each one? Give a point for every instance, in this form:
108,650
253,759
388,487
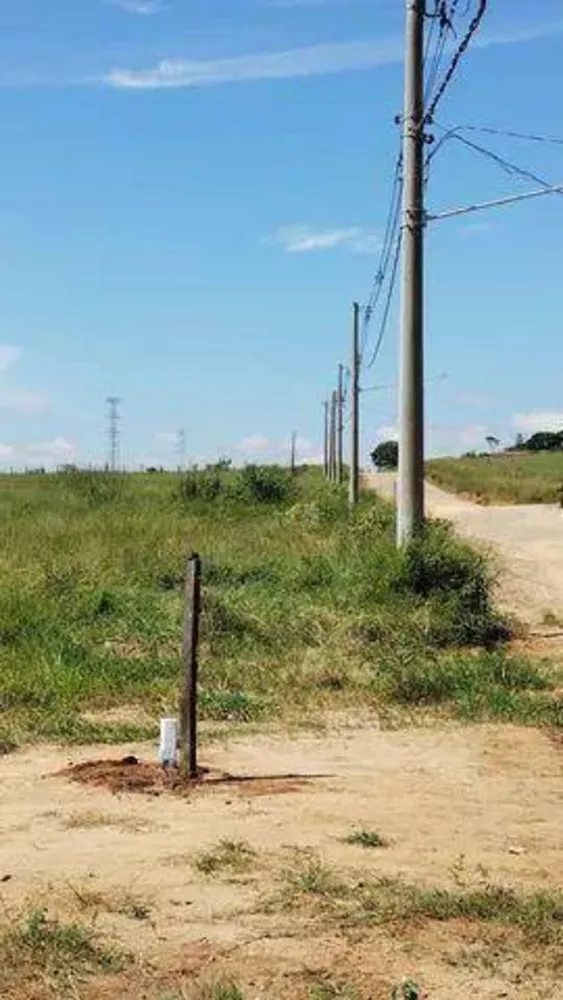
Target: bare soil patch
188,885
131,775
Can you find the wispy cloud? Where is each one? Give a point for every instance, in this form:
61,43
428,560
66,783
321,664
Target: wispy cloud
139,6
24,401
254,444
305,239
538,420
312,60
167,437
46,453
388,432
9,355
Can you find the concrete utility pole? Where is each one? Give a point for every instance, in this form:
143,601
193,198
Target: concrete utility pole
326,406
410,493
354,486
340,427
332,439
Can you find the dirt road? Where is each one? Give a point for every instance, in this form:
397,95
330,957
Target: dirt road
527,540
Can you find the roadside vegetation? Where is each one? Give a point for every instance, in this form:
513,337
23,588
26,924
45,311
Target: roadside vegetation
511,477
307,608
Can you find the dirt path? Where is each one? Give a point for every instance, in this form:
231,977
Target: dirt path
457,806
527,539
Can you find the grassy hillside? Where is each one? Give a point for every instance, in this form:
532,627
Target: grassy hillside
306,607
513,478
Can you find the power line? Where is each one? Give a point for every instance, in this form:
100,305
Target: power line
507,165
390,235
388,301
497,203
461,49
444,19
510,133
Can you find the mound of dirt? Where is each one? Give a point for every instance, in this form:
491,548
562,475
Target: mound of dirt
132,775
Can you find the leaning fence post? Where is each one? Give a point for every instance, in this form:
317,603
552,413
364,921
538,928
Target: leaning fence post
190,645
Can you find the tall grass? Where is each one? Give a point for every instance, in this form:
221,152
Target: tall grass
511,478
305,607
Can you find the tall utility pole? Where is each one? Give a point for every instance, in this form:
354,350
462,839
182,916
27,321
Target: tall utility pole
113,430
340,426
181,449
332,437
354,485
410,493
293,460
326,408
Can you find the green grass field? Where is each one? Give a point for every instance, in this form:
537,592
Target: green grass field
512,478
306,608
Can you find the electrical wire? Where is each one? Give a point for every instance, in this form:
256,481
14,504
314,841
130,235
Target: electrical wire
388,301
390,235
458,55
509,133
444,19
507,165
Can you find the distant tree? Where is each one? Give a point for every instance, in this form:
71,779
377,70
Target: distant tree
545,441
519,443
386,455
493,442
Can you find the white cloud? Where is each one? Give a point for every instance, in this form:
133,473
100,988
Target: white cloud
312,60
254,444
305,239
59,449
138,6
538,420
167,437
476,229
9,355
388,432
23,401
6,451
472,435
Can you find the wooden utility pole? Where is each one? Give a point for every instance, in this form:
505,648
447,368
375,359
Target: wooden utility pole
410,493
190,647
354,484
326,407
293,452
340,427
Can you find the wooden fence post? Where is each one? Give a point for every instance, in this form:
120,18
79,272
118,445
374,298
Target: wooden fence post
190,647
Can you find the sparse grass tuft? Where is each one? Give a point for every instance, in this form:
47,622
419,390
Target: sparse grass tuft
91,819
44,949
232,856
379,901
125,903
365,838
222,991
333,991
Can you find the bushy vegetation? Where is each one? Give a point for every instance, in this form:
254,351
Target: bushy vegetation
506,478
306,607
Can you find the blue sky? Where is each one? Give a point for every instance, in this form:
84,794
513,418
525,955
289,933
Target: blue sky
192,193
